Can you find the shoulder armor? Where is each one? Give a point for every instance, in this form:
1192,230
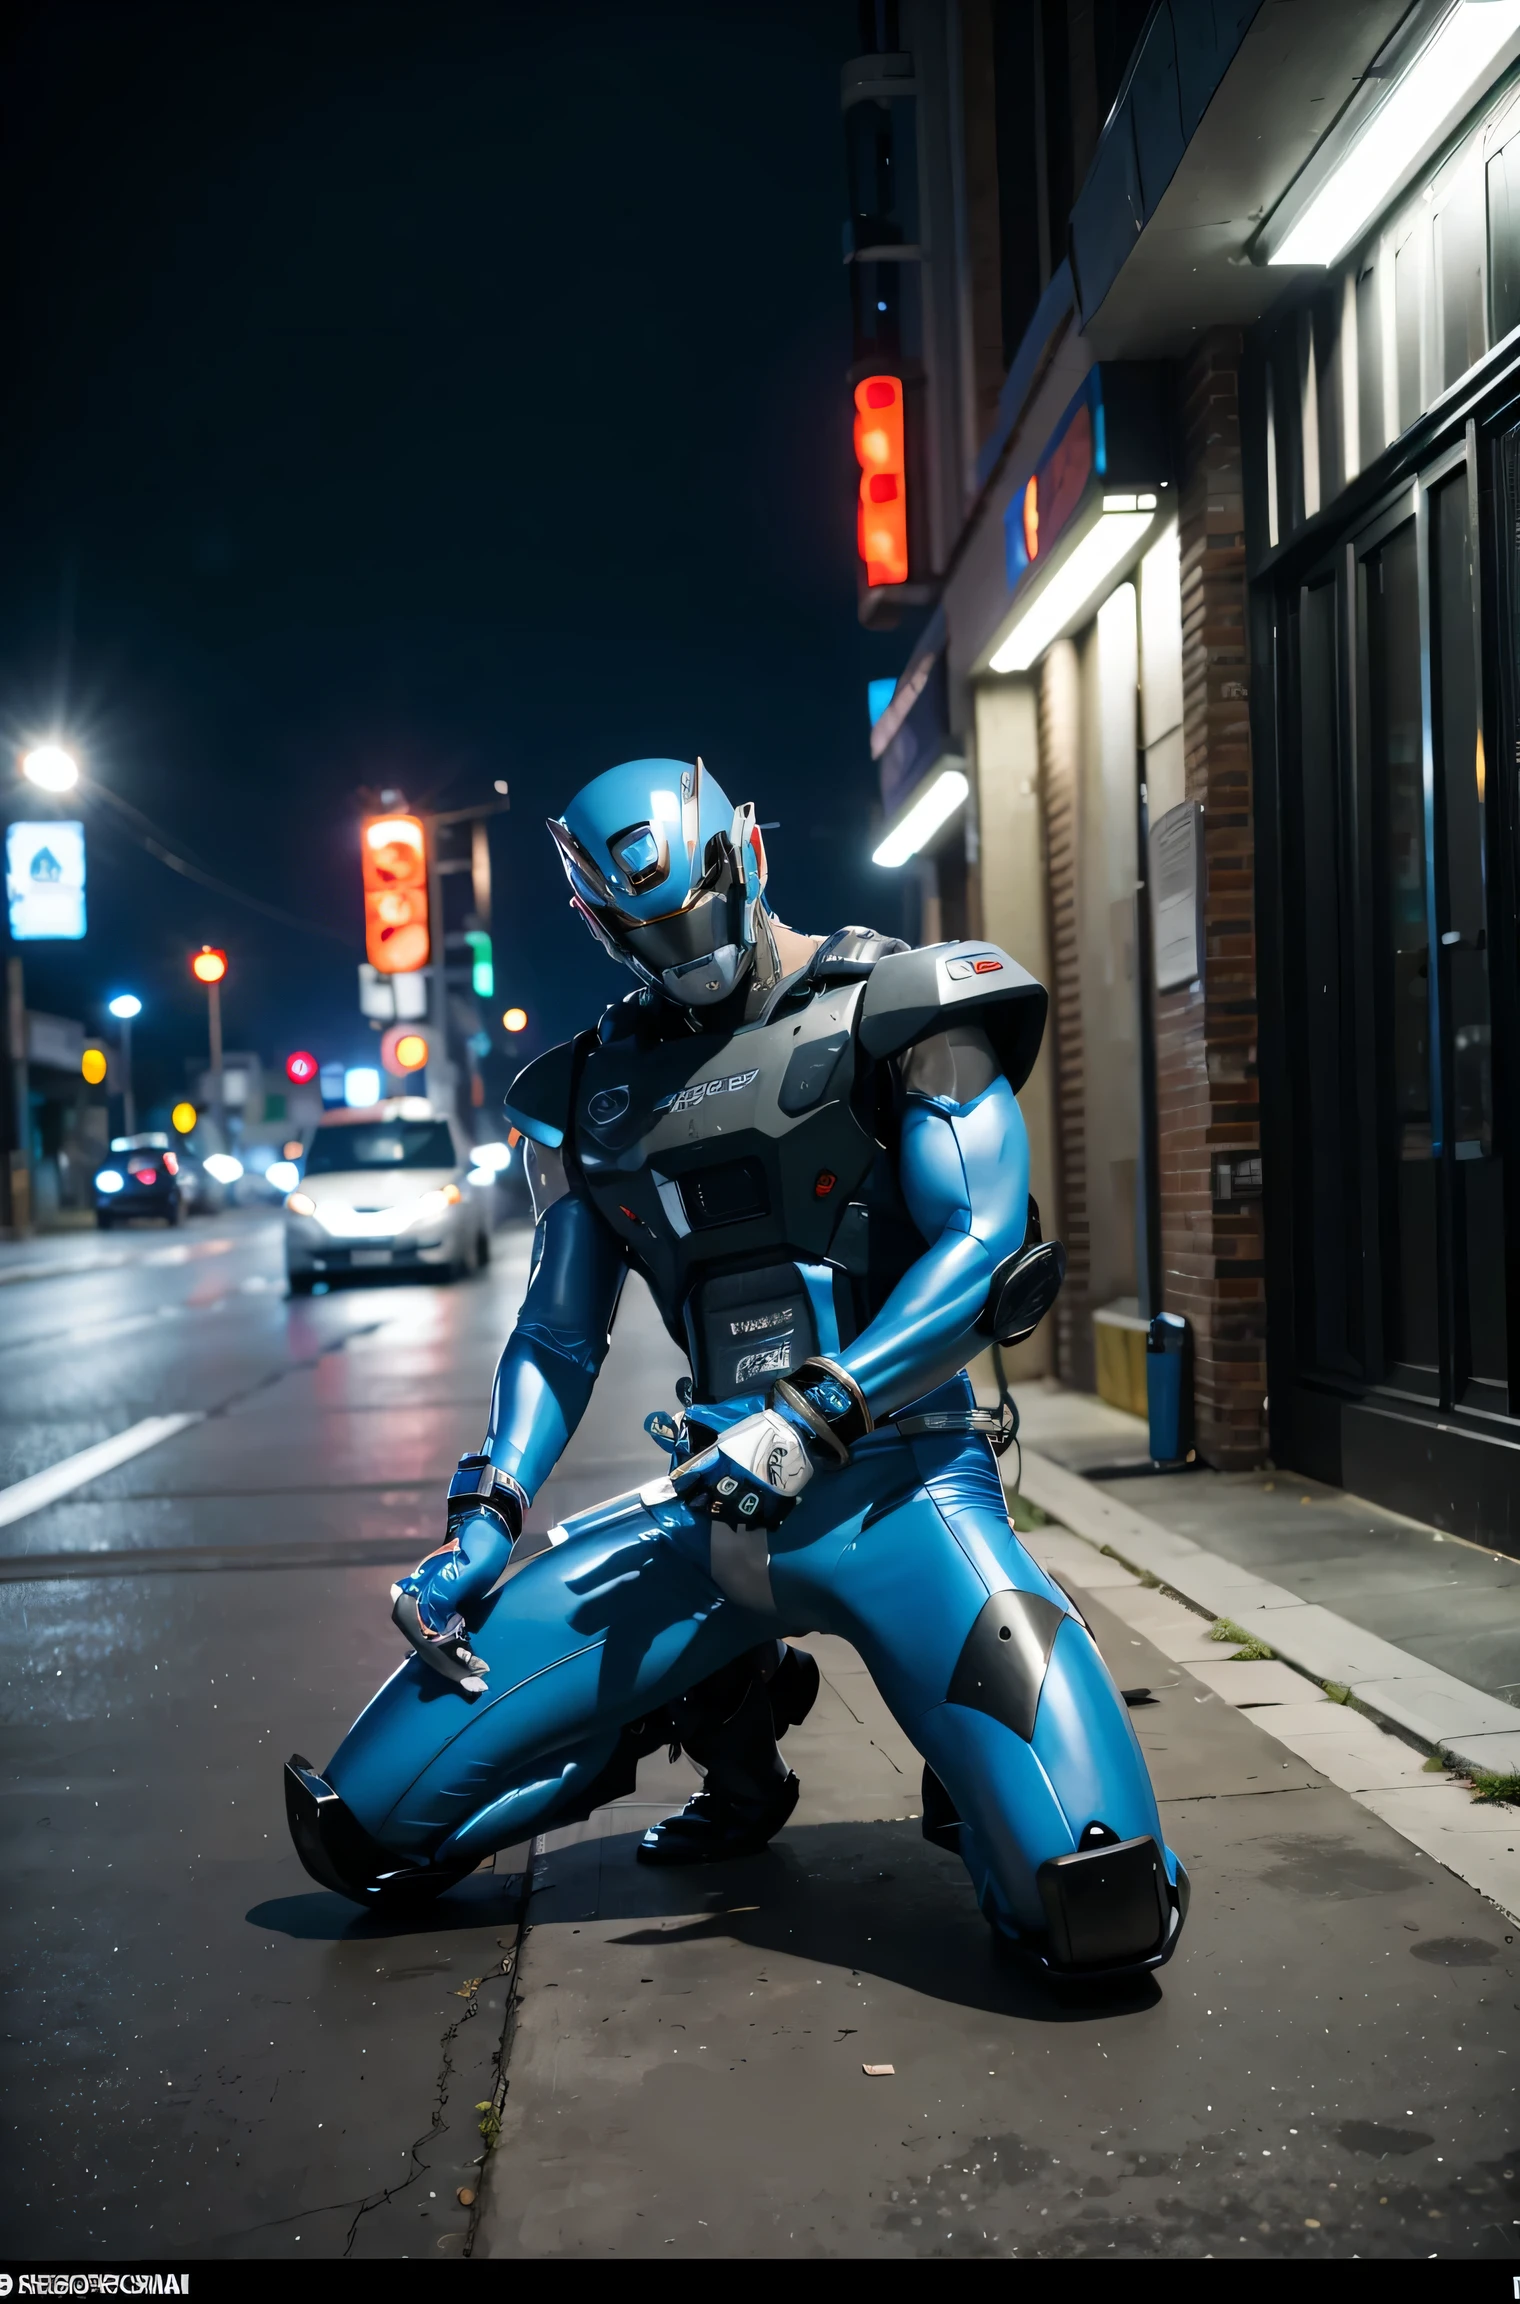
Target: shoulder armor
911,994
852,952
540,1099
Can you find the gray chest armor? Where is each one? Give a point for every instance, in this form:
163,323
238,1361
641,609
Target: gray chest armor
731,1167
740,1169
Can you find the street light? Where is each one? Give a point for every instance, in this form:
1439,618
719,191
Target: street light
50,768
124,1007
208,967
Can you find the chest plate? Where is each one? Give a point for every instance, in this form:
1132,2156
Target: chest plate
728,1164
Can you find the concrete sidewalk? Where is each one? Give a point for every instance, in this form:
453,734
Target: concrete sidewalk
1422,1628
1316,2073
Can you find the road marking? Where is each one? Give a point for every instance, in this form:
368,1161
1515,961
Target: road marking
43,1488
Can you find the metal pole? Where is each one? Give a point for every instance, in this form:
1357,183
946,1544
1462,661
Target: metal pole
1152,1290
21,1102
128,1102
214,996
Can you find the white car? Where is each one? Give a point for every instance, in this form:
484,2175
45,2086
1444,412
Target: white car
385,1188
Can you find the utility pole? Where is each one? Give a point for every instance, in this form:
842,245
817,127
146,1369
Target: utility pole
443,1073
19,1177
208,967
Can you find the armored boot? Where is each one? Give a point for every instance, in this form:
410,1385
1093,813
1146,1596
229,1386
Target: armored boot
729,1725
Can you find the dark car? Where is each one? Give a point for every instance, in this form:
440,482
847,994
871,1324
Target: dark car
140,1179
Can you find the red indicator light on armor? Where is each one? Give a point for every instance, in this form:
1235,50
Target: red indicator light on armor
823,1183
987,967
628,1212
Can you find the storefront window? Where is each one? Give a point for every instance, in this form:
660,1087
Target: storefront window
1391,592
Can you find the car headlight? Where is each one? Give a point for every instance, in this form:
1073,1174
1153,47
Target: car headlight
223,1167
109,1180
284,1175
481,1177
431,1205
301,1204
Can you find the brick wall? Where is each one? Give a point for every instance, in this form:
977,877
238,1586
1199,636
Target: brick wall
1206,1038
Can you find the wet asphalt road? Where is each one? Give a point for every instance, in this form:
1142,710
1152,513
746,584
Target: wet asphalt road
206,2056
204,2053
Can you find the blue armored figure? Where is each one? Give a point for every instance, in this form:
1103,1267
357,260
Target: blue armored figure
811,1150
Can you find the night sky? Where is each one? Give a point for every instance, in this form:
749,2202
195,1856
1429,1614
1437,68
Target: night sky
421,396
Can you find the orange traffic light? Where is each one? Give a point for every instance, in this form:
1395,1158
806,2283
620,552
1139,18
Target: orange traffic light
209,965
404,1049
881,527
395,894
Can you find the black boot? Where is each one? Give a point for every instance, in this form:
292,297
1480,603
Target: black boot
729,1725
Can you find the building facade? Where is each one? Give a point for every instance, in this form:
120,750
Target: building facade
1199,314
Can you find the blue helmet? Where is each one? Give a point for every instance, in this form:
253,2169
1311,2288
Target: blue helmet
667,874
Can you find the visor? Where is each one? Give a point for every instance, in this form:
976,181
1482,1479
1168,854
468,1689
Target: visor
681,938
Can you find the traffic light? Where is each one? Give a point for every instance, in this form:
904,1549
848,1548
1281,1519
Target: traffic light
209,965
403,1049
395,894
300,1067
482,971
184,1117
92,1065
881,527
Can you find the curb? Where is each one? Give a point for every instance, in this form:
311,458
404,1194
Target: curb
1468,1728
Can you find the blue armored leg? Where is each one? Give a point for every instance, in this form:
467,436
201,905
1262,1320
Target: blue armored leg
1034,1771
590,1640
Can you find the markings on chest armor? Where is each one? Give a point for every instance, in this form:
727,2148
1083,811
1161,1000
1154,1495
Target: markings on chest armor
760,1323
687,1099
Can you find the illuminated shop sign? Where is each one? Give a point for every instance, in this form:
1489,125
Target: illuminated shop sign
1113,435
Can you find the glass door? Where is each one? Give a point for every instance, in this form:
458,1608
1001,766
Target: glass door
1465,1068
1428,1089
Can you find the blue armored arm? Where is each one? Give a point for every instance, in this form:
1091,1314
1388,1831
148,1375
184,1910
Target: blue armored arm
543,1383
552,1357
964,1175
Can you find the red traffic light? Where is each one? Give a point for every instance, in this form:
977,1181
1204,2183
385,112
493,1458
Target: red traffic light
209,965
395,894
881,528
301,1067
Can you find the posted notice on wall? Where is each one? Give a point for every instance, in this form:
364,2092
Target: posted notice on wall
1177,882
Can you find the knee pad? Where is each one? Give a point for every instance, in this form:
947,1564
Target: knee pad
341,1854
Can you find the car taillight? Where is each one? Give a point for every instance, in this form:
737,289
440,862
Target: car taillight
146,1175
171,1162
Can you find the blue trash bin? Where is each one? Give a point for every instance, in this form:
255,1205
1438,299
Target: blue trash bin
1169,1388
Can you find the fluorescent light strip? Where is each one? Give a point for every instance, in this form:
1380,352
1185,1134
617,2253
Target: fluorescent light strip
1435,89
924,818
1073,586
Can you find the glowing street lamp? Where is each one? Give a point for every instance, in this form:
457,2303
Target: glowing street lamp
50,768
124,1007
